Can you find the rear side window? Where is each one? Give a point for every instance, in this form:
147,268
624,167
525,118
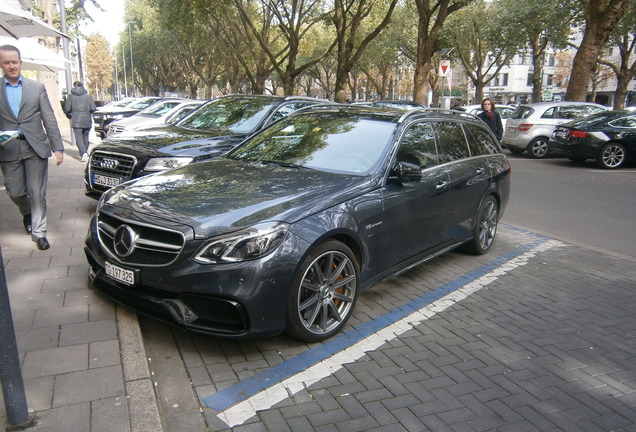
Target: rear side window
418,146
451,141
480,142
574,111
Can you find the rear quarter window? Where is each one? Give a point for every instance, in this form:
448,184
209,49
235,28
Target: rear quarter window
625,122
480,141
522,112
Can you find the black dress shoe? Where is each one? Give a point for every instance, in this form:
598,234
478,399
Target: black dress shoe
43,243
26,220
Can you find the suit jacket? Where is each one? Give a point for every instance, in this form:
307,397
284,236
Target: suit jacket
36,114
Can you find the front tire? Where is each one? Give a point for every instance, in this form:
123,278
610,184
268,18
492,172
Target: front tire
485,227
538,148
324,293
612,156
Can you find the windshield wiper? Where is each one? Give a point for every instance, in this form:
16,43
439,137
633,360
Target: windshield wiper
284,164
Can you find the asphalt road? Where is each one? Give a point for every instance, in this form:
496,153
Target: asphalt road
577,203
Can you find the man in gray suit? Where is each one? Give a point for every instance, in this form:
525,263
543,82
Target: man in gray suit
25,107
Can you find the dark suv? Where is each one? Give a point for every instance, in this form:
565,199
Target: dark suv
284,232
209,131
102,118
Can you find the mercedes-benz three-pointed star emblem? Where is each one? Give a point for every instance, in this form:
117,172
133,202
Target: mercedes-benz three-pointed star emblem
124,241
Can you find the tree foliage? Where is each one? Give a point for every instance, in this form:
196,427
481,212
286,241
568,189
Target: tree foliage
342,47
99,66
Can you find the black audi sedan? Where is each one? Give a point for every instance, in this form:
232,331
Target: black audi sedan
284,232
608,137
209,131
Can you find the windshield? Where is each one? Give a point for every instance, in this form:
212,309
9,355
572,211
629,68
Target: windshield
158,109
326,141
142,104
239,115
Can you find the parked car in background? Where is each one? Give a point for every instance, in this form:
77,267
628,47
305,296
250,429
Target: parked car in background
530,126
118,103
608,137
504,111
284,232
210,131
165,111
102,118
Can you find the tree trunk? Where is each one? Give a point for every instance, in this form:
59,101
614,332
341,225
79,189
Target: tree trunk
537,73
600,21
621,92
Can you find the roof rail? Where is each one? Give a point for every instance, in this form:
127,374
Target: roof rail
446,111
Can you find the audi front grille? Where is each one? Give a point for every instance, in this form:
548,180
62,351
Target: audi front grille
112,165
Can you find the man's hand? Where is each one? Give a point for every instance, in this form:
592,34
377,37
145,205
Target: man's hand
59,157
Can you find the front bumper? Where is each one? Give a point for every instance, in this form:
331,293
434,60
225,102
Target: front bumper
237,300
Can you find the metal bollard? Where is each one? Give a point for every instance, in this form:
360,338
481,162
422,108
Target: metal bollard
10,373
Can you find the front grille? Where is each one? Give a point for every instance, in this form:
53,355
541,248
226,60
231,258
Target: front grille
113,129
108,164
153,246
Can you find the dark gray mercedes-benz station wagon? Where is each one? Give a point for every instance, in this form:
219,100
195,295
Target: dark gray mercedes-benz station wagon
284,232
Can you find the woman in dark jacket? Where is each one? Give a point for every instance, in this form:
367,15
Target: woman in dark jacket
80,106
491,117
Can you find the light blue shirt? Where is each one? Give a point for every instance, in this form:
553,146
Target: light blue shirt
14,95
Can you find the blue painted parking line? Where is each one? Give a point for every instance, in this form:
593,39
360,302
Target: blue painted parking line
275,375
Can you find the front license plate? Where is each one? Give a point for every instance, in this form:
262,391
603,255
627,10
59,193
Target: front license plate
105,180
120,274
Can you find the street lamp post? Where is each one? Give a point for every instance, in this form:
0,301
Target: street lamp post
123,60
132,64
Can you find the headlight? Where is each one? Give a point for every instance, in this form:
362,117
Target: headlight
113,116
252,243
161,164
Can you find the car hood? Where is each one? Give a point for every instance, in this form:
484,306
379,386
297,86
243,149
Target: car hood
223,195
170,140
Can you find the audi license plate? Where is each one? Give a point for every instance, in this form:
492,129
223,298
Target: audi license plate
120,274
106,181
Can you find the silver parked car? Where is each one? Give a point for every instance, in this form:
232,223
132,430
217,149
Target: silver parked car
530,127
167,111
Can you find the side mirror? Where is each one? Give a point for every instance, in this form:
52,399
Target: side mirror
406,172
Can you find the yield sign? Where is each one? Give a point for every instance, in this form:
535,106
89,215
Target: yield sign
444,67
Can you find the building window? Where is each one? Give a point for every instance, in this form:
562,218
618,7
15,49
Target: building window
529,82
548,80
504,79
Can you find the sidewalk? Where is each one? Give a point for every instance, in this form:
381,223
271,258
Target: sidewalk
83,359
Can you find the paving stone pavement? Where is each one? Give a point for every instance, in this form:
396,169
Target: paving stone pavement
83,362
549,345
